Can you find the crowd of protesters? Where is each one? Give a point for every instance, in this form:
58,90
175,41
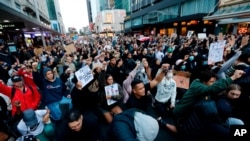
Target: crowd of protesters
41,97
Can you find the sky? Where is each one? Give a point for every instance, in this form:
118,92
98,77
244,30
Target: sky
74,13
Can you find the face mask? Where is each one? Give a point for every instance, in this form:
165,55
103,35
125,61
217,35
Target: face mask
170,75
205,63
191,58
143,70
183,67
195,53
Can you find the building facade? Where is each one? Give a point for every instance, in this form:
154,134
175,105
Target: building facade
23,20
232,16
168,16
110,21
55,16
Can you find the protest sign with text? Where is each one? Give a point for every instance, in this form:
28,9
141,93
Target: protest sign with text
215,53
84,75
111,90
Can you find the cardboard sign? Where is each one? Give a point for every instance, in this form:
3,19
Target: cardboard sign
38,51
70,48
182,79
84,75
215,53
111,90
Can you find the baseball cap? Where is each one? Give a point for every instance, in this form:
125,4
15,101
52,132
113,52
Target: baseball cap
29,118
16,78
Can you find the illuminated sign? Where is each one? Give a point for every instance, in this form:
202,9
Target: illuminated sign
242,30
10,25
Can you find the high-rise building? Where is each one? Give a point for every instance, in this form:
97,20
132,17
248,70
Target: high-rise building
26,19
55,15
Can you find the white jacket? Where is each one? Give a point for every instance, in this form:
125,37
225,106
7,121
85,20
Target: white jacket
166,89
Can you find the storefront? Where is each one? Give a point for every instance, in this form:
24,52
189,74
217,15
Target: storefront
232,17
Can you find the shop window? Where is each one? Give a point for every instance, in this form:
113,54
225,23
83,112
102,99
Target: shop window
183,31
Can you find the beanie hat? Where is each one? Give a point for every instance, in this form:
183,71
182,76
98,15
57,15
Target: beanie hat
45,70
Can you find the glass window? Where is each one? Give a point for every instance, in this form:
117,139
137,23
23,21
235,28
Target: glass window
137,21
18,6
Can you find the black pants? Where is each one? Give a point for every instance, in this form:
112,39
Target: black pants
163,109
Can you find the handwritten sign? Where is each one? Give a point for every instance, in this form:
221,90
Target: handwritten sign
182,79
84,75
111,90
215,53
70,48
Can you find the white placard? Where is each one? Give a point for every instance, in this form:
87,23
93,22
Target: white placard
215,53
190,33
173,35
111,90
202,35
84,75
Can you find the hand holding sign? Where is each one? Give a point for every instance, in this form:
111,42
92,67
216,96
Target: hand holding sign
84,75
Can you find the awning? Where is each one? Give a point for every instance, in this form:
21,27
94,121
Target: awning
31,24
233,20
234,11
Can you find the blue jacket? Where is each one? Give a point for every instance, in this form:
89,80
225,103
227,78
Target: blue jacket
122,127
52,91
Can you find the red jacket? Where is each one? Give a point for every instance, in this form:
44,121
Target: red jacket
30,99
27,77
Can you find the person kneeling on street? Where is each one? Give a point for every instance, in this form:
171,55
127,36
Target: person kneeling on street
36,123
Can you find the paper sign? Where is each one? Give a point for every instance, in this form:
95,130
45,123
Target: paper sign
111,90
84,75
202,35
182,79
189,34
173,35
215,53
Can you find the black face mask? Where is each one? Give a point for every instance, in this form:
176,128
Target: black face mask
34,127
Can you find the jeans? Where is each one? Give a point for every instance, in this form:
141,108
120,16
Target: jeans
56,110
234,121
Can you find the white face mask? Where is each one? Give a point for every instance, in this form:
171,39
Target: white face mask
143,70
170,75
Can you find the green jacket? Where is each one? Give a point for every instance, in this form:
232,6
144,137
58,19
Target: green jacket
197,92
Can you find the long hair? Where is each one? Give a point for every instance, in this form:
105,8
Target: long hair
229,88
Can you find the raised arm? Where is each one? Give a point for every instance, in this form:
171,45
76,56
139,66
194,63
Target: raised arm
159,77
